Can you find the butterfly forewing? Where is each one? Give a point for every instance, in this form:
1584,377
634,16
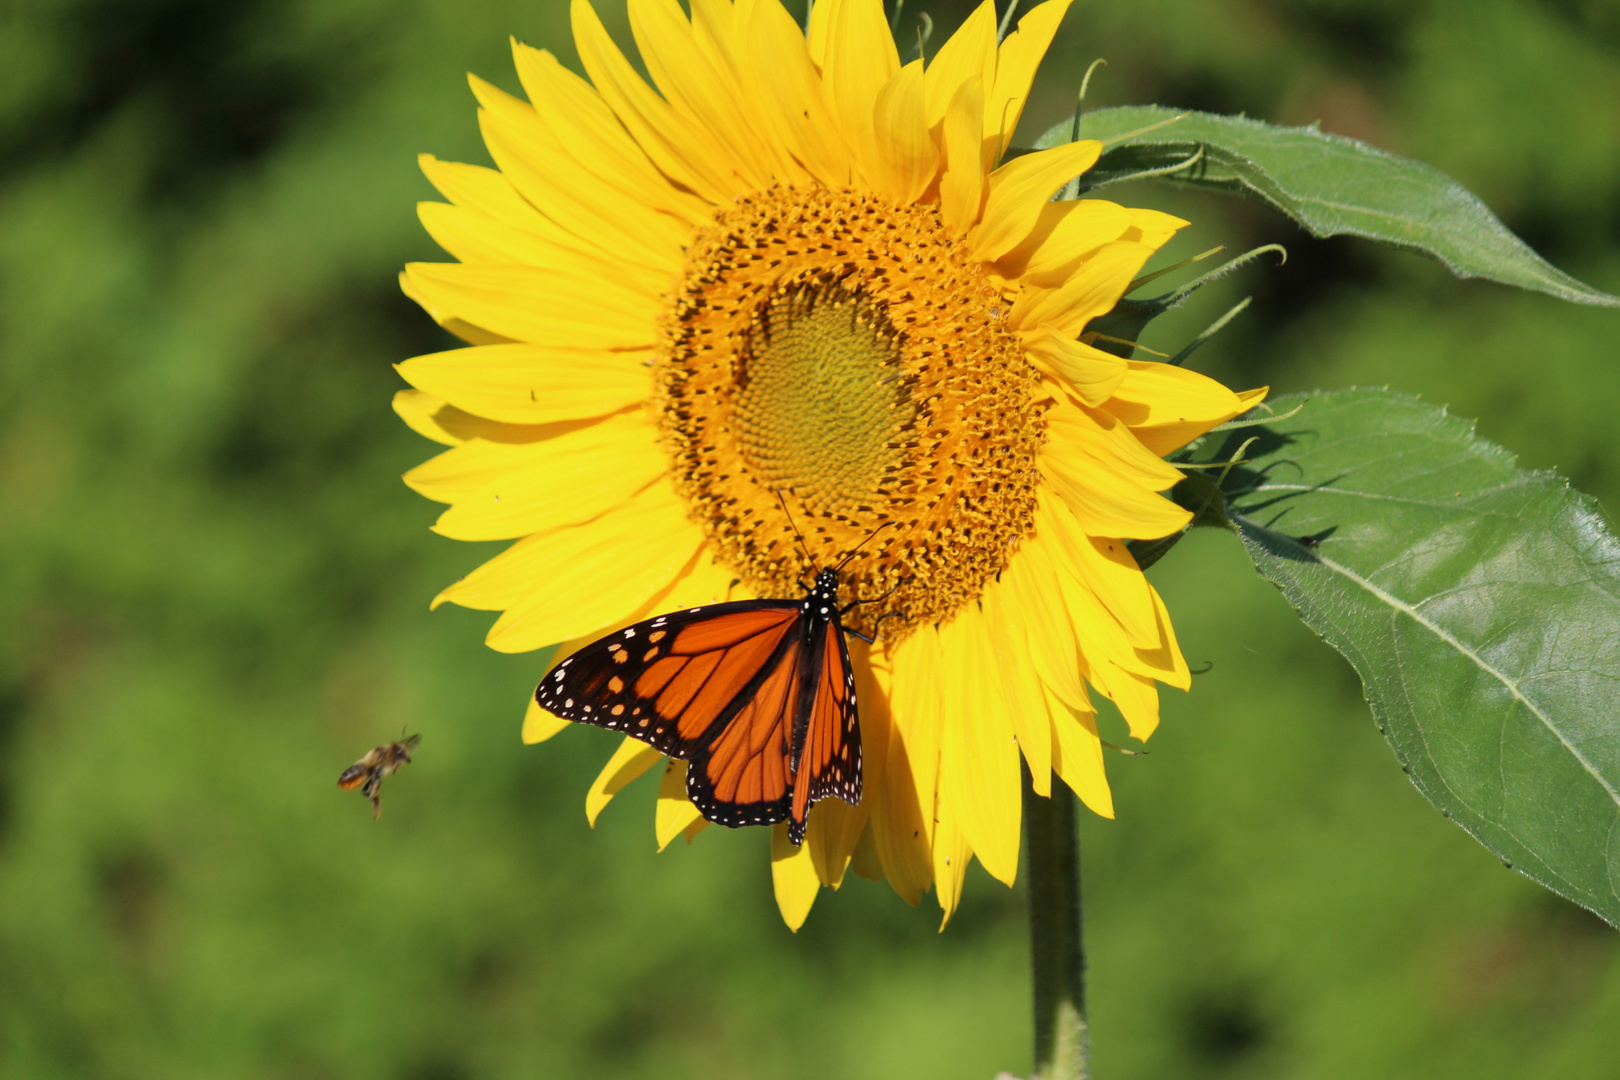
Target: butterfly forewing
675,680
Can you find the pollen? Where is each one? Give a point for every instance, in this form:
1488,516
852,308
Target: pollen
843,356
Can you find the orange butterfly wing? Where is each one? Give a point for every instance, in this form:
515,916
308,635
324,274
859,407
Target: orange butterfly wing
829,756
742,691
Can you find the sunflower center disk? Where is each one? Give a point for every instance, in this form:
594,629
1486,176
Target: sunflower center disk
844,352
820,402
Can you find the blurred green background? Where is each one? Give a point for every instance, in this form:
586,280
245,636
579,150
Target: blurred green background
214,591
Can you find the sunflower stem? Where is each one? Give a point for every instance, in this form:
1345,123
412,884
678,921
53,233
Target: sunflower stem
1057,948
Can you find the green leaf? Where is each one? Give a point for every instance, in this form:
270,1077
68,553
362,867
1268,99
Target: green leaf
1480,605
1329,184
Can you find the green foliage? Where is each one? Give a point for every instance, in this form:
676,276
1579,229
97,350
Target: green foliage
1480,605
1329,184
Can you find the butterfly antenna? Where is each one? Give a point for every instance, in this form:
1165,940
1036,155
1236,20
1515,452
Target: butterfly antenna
797,535
860,545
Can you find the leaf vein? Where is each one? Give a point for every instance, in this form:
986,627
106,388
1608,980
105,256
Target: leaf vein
1510,684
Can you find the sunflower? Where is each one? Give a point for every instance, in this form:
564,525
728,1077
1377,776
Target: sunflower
800,265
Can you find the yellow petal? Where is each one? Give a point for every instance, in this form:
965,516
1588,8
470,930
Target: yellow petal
466,331
695,86
1064,234
482,458
545,172
1102,435
443,423
1106,477
563,481
629,761
721,31
917,707
475,237
860,59
532,384
1010,628
793,875
1089,373
491,194
951,855
970,53
1167,406
961,188
419,412
1164,657
468,236
1016,63
866,861
1108,659
909,158
1152,227
1106,568
872,699
833,830
676,814
1136,695
1077,756
677,145
778,75
542,306
978,761
540,725
715,28
583,122
898,829
1019,189
569,582
816,32
1092,290
1053,649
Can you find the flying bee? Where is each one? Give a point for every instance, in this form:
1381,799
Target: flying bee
379,762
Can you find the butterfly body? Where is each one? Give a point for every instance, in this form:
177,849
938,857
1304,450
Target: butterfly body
757,696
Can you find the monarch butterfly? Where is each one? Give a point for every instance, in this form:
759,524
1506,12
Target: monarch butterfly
757,696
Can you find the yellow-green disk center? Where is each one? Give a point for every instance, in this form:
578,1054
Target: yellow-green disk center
821,399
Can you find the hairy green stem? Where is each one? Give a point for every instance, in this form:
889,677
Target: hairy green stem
1057,950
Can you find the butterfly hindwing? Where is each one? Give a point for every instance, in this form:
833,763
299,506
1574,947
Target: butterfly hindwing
831,760
744,776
